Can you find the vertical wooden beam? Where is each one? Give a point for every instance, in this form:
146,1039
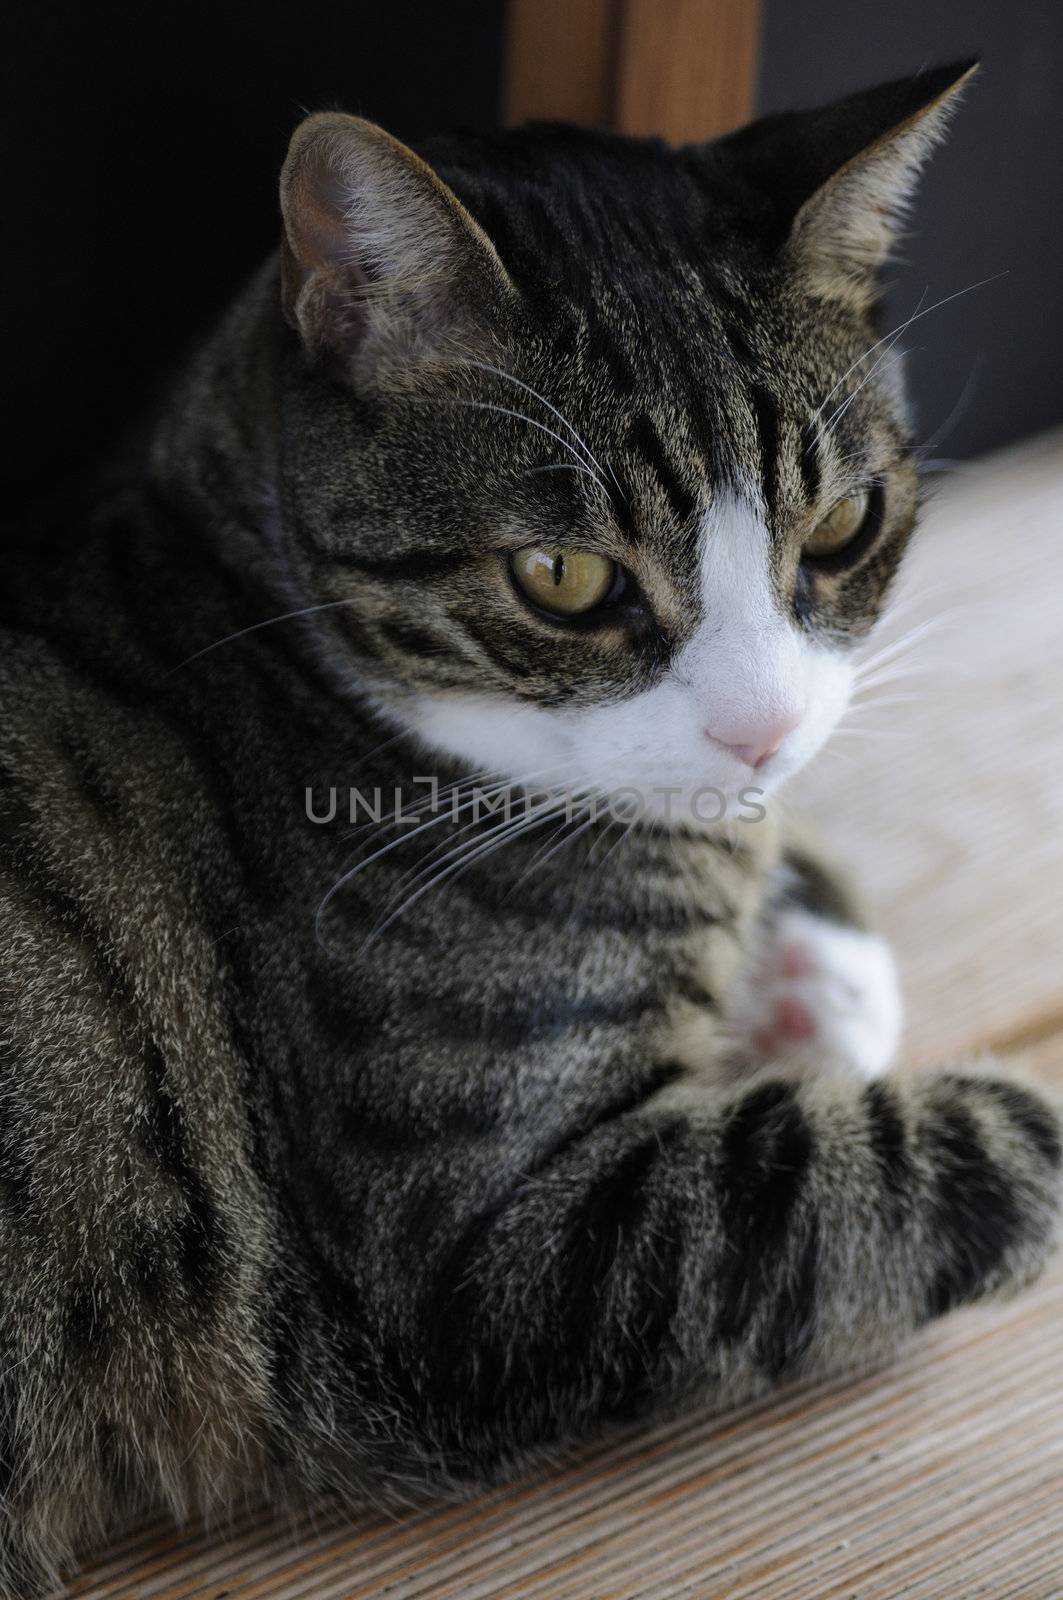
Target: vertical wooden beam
560,57
686,69
681,69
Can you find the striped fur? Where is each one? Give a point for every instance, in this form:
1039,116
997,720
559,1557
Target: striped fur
293,1202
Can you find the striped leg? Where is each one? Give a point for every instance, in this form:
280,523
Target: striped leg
726,1243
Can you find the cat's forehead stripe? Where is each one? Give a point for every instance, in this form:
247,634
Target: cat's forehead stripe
808,461
769,428
646,441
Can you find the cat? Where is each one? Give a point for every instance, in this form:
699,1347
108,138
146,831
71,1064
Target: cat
387,1159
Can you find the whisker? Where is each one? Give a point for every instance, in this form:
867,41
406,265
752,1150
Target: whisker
874,700
846,731
447,813
539,858
522,785
570,838
564,466
960,408
286,616
838,413
497,836
521,416
345,878
626,826
896,646
508,377
893,333
917,316
434,855
427,803
619,487
943,466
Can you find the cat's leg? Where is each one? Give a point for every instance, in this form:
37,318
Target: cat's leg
719,1243
819,990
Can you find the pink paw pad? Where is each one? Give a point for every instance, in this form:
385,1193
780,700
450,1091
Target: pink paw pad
791,1020
795,962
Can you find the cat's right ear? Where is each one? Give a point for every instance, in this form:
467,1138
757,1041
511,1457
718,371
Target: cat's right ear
382,267
834,183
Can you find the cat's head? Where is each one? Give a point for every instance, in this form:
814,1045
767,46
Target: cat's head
599,438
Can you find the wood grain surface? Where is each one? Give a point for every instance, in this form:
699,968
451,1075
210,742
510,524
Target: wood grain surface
686,69
560,61
941,1478
677,69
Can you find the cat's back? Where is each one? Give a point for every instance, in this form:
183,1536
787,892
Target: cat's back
131,1224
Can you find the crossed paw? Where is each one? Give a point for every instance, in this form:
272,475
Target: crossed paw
821,998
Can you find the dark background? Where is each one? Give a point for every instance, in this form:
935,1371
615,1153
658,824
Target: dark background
991,200
142,144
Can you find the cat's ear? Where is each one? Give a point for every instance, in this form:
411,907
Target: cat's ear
840,179
382,266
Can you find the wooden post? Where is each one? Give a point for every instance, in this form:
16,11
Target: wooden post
559,61
682,69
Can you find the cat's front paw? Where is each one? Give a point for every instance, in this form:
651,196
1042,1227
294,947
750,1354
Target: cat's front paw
822,997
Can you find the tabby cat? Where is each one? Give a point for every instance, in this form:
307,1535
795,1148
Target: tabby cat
378,1161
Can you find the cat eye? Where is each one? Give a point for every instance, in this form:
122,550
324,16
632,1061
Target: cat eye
567,583
839,527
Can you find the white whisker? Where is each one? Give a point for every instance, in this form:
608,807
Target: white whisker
448,813
286,616
916,316
508,377
838,413
592,818
521,416
892,334
966,395
888,652
539,858
433,856
564,466
427,803
473,851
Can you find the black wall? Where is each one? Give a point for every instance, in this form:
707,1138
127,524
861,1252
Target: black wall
991,201
142,142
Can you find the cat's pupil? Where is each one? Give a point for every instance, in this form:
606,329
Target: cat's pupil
559,570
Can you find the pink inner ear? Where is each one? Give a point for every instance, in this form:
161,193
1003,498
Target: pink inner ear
325,299
316,219
323,286
380,261
343,311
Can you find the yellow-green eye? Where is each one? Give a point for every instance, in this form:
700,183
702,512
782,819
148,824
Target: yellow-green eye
565,582
838,527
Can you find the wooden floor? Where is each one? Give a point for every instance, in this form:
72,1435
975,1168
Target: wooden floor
943,1478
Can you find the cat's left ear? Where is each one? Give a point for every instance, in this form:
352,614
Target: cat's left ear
382,267
840,179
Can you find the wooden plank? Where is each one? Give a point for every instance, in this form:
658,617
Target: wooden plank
686,69
681,69
560,61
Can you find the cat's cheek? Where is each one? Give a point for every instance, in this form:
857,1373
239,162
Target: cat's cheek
521,742
829,679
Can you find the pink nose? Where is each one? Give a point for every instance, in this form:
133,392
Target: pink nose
755,743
